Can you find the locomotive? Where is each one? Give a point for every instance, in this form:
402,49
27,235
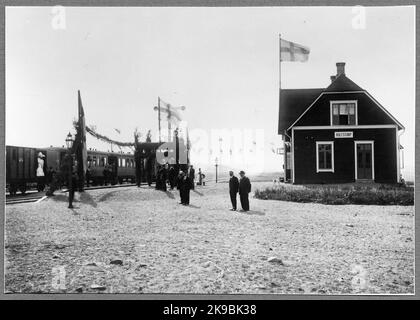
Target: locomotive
21,165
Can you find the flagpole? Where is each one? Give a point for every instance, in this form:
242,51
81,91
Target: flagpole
169,123
279,61
284,136
160,139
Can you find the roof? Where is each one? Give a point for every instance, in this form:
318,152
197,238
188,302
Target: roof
342,84
293,102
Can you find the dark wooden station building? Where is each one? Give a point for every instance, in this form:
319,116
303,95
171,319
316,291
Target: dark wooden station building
338,134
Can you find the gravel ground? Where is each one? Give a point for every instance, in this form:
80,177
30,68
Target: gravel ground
159,246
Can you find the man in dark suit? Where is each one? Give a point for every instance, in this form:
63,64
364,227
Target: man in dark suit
191,176
149,168
244,190
233,189
184,186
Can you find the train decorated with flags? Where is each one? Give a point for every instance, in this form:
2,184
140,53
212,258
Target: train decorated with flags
27,167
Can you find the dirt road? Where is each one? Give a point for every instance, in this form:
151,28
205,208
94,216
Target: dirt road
157,245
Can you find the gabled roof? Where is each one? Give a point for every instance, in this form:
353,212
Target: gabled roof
293,102
342,84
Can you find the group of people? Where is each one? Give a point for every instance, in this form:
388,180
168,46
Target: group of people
183,180
241,186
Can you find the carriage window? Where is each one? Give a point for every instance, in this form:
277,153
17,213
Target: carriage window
123,162
344,113
325,156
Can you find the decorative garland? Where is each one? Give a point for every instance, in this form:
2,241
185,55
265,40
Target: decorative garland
99,136
106,139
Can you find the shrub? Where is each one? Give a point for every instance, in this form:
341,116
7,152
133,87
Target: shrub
338,195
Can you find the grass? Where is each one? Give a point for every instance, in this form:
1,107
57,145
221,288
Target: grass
374,194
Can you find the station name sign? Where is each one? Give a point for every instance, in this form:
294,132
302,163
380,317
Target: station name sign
343,134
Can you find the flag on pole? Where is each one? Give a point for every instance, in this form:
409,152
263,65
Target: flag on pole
290,51
172,112
82,149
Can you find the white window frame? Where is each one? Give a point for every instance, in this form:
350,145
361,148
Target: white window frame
344,101
371,142
318,143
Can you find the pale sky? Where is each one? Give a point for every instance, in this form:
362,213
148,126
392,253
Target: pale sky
221,63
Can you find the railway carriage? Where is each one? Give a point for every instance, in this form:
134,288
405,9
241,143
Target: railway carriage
21,165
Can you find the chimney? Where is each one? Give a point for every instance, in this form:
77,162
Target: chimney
340,68
333,78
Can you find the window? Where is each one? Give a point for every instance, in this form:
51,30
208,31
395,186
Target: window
343,113
325,156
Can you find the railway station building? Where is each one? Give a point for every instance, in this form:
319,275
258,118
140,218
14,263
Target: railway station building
338,134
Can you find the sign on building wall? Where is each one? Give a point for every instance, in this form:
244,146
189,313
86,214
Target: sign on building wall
343,134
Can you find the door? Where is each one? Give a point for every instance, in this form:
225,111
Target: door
364,159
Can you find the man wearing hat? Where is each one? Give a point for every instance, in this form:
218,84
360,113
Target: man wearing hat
244,190
233,189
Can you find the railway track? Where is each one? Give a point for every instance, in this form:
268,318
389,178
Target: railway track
25,199
39,196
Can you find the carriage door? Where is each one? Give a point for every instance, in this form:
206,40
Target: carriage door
113,162
364,160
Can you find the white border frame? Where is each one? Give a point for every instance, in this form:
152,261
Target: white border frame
344,101
317,156
371,142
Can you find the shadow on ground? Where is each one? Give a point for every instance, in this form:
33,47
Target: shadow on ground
106,196
86,198
253,212
199,193
170,194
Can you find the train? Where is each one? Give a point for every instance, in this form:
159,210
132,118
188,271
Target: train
22,165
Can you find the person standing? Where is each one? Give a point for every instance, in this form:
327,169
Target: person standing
191,176
200,177
105,173
88,177
138,159
179,185
73,187
158,185
244,190
164,177
172,177
149,169
233,189
185,189
40,173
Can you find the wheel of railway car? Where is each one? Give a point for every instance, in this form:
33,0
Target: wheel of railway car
12,189
22,188
120,180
